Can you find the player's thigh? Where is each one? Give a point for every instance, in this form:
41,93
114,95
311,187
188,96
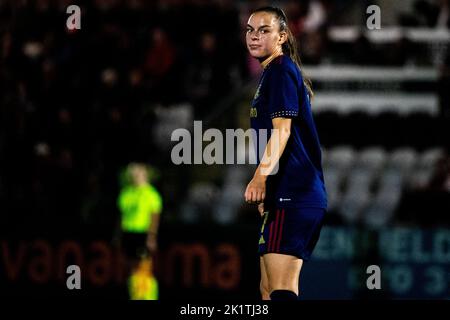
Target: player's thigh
264,279
283,271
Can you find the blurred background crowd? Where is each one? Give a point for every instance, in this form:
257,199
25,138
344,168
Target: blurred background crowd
77,106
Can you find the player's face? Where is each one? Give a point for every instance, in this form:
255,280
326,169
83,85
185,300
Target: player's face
263,36
138,175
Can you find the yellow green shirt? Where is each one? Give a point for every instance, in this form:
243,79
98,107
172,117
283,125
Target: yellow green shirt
137,204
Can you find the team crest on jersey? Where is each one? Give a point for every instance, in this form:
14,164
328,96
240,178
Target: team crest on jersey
253,113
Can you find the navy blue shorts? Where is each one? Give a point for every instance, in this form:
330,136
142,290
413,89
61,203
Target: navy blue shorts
291,231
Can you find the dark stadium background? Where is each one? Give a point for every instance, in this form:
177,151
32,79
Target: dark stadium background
77,106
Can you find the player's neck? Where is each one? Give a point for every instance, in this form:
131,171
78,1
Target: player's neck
269,59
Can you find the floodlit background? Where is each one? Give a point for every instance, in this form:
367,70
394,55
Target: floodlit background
76,107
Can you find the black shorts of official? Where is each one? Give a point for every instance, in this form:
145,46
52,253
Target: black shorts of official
134,245
291,231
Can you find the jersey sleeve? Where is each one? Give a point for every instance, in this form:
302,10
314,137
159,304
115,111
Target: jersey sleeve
283,100
122,200
156,201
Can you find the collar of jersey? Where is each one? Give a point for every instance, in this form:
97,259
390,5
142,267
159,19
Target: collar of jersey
266,62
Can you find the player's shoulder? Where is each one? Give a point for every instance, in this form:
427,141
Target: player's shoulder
147,188
151,190
126,190
283,65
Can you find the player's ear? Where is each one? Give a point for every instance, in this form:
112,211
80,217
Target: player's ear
283,37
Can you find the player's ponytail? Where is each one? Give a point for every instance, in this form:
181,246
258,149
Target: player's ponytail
290,47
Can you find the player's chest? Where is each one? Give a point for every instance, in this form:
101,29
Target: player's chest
258,106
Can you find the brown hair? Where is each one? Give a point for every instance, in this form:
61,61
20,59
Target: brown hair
289,47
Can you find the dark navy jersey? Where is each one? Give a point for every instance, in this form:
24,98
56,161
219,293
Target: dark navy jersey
299,180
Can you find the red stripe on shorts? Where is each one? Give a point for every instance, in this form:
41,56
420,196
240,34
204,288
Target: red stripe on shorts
281,231
270,236
275,236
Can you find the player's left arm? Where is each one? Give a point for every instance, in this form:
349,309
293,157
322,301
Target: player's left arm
256,189
155,216
152,235
154,226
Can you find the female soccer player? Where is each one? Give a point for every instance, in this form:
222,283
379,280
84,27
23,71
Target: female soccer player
288,184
